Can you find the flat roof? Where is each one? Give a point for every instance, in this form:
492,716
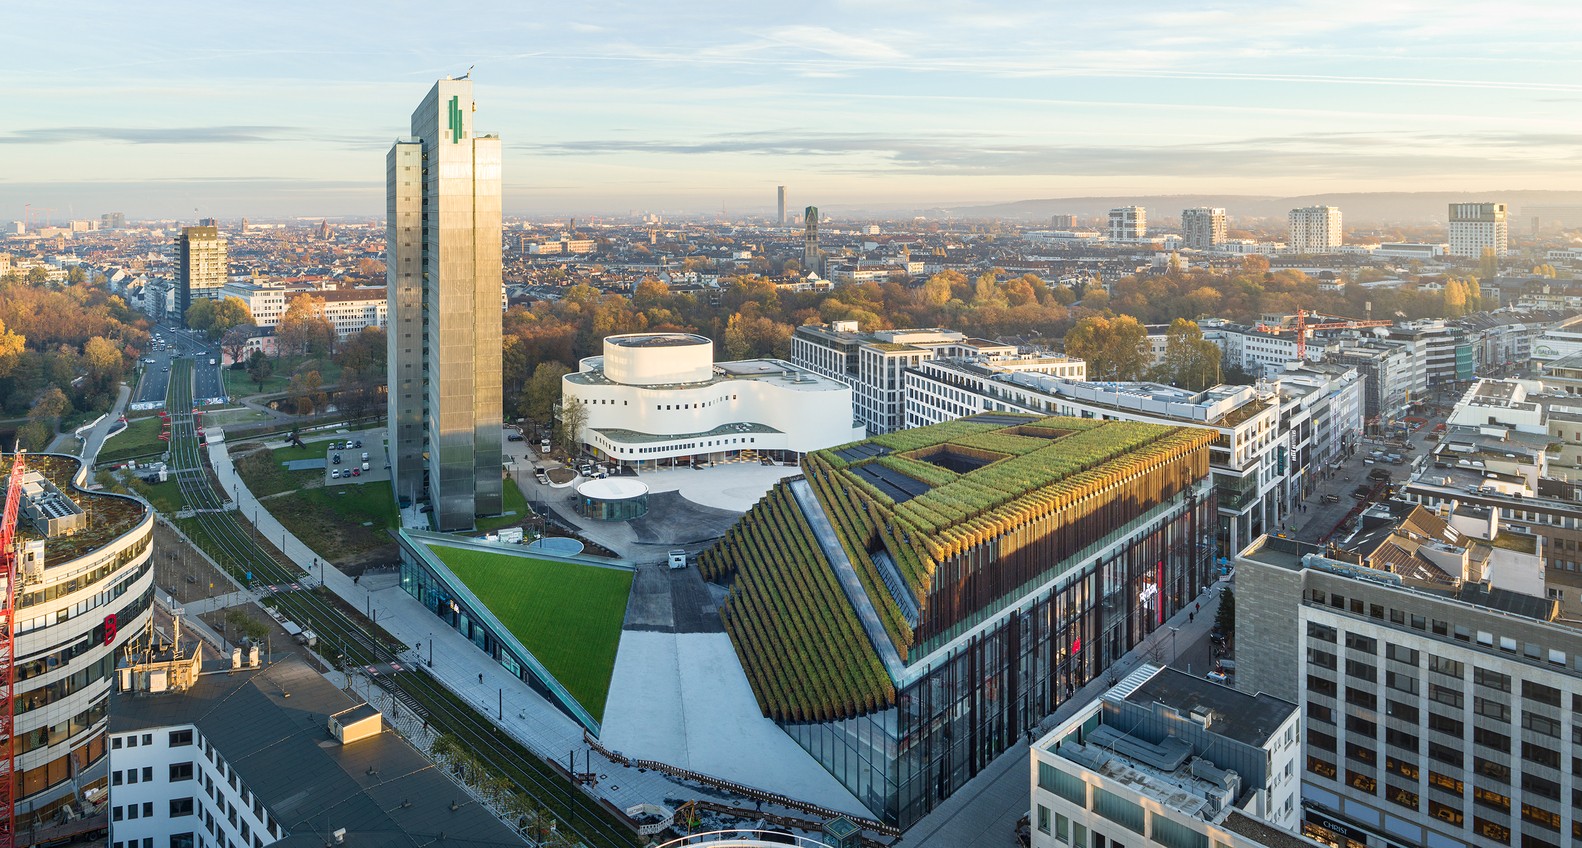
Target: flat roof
658,340
1251,719
271,726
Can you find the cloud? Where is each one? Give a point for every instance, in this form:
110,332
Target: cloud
241,134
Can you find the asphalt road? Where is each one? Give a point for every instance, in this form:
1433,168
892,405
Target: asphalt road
1321,518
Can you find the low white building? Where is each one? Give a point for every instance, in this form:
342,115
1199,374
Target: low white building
659,397
1167,758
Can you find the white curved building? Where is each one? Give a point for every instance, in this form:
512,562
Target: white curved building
655,397
87,588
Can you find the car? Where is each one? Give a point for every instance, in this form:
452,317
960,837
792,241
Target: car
1331,498
365,454
167,369
358,443
356,473
336,459
335,474
515,437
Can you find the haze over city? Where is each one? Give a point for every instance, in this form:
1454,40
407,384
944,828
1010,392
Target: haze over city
283,110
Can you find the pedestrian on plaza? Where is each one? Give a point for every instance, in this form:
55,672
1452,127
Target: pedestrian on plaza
480,677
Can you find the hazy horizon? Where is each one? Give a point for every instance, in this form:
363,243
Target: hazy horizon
158,112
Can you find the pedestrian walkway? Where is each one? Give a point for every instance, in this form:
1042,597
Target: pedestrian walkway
457,663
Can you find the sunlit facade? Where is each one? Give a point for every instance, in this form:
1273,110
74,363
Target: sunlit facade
443,274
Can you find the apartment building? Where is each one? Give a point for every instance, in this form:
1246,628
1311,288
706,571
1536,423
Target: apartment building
1168,758
1476,227
1128,223
1203,227
1434,717
1395,372
1320,421
1314,230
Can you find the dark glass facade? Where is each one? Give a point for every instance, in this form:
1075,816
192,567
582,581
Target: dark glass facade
995,684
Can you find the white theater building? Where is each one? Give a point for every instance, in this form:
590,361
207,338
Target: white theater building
655,398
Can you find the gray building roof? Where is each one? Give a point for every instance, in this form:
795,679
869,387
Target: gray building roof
1250,719
270,725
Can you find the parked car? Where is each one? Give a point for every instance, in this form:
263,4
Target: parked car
358,443
336,459
357,472
1331,498
335,474
514,437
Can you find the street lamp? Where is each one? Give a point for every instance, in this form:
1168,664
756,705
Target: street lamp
1173,631
431,650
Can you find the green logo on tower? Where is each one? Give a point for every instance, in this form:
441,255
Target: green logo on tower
455,120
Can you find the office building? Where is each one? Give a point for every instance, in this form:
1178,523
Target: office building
349,311
915,603
660,398
1168,758
1395,375
812,259
872,362
1128,223
1203,227
1250,462
1062,222
210,754
780,197
443,276
1448,355
112,221
1435,715
1476,227
87,585
1320,421
1314,230
200,267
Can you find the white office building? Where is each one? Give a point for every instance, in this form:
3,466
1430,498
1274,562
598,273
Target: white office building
654,398
1203,227
1128,223
1314,230
1476,227
871,363
1167,758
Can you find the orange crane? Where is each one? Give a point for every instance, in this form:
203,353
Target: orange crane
1303,328
8,558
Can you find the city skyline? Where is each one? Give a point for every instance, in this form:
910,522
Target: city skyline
843,103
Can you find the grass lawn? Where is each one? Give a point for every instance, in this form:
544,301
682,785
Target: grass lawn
234,415
140,438
568,615
238,384
516,509
340,522
264,473
166,497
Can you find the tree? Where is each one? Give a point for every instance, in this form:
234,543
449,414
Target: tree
573,417
1114,348
1255,263
200,315
303,328
11,347
306,391
1455,298
543,390
103,358
1488,264
1191,361
228,312
260,368
1225,619
235,340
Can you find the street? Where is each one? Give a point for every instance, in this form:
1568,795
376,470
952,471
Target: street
1342,478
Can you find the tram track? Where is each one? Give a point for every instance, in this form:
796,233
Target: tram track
239,550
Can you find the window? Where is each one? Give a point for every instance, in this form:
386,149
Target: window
1043,819
180,807
1540,724
1444,724
1485,797
1119,810
1539,754
1362,671
1062,827
1401,682
1316,712
1445,812
180,737
1491,679
1444,754
1400,654
1321,632
1067,786
1541,693
1322,659
1361,643
1490,739
1401,739
1320,740
1404,712
1489,708
1398,795
1444,695
1361,698
180,771
1445,666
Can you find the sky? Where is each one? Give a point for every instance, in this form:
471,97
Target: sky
182,110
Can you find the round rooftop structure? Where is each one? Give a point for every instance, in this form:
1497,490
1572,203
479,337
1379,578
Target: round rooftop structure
656,359
613,499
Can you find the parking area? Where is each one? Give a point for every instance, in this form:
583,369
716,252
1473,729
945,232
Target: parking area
359,458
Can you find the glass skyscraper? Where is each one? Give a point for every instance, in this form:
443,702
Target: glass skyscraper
443,270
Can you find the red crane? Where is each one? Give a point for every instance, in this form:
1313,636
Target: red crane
1303,328
8,570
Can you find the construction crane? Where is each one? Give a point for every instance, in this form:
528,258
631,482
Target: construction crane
1303,328
8,571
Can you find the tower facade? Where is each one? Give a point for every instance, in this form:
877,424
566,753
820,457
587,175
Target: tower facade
200,266
442,203
1203,227
1475,227
1315,229
810,253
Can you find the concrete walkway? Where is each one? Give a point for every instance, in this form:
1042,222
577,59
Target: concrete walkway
458,664
93,440
984,812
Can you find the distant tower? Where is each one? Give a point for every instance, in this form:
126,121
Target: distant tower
782,193
442,196
201,267
1128,223
1203,227
810,254
1315,230
324,230
1475,227
244,226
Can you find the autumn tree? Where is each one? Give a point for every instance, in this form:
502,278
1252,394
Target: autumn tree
1191,361
1114,348
1488,264
1455,296
304,328
307,391
573,418
11,347
543,391
103,359
228,312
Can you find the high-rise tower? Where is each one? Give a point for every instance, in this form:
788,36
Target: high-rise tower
810,254
200,267
442,195
1476,227
1203,227
782,197
1315,229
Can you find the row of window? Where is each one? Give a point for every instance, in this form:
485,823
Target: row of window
1401,618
